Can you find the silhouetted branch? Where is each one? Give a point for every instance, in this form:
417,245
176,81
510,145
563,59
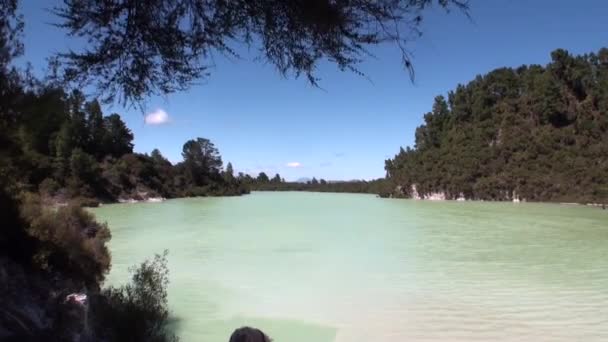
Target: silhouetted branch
137,48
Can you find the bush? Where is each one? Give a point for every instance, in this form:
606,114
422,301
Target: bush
49,187
139,310
69,240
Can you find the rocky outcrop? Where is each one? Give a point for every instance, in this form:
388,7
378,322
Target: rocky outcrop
439,195
433,196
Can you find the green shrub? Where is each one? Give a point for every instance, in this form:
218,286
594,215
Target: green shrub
139,310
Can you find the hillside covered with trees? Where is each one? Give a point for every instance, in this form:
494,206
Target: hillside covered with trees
538,133
64,147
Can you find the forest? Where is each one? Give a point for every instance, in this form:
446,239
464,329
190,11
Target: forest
65,148
535,133
263,183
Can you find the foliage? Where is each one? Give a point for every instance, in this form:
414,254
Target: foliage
67,239
137,49
49,252
262,183
116,140
65,147
536,133
84,173
202,161
139,310
262,178
11,29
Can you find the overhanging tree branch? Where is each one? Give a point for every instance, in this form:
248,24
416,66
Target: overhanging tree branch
138,48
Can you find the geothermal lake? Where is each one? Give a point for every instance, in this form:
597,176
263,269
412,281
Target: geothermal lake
312,267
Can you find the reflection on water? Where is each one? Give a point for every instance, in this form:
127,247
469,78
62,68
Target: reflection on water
336,267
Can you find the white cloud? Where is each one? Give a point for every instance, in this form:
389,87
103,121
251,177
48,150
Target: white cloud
157,117
294,164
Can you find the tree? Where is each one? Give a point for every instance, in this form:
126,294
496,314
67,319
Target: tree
158,157
78,120
262,178
11,30
276,178
63,150
229,173
41,115
117,140
229,169
201,160
95,128
85,174
82,166
161,46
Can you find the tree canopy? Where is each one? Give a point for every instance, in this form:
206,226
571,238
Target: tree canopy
137,48
539,133
65,147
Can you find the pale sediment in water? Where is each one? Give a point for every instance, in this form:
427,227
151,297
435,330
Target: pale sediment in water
148,200
442,196
333,267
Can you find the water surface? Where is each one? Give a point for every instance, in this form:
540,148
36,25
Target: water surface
311,267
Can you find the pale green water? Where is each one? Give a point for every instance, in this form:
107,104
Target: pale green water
309,267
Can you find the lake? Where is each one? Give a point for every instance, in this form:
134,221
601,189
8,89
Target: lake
313,267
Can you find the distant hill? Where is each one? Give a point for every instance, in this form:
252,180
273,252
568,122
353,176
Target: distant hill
533,132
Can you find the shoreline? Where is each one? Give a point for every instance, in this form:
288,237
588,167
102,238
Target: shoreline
431,199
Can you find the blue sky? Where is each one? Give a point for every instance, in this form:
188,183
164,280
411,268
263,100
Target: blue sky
263,122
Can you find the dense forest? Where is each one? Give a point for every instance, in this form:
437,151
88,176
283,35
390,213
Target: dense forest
64,147
531,133
263,183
